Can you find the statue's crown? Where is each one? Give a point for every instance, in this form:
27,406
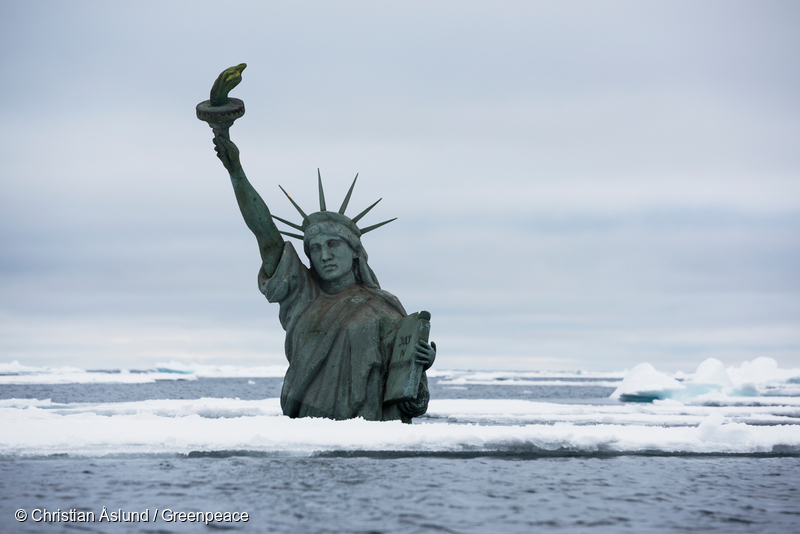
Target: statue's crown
324,215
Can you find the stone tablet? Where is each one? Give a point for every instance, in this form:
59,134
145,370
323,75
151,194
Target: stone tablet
402,381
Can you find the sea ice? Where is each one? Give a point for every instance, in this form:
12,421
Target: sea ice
15,373
706,412
711,372
645,383
39,428
525,378
761,377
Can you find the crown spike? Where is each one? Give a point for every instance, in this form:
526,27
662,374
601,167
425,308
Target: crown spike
284,221
347,198
305,217
291,235
321,192
358,217
374,226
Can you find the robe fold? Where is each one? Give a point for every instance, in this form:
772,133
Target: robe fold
338,346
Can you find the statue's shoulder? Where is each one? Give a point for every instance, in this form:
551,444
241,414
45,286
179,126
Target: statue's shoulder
291,279
383,302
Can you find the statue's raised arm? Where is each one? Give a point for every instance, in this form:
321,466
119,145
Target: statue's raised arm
220,112
254,210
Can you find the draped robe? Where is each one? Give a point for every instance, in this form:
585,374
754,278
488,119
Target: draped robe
338,346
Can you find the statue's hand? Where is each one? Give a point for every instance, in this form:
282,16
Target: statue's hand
426,354
407,407
228,153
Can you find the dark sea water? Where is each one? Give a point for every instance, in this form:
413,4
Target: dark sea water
260,388
395,493
409,495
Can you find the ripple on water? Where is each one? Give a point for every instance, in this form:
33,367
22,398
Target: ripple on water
402,495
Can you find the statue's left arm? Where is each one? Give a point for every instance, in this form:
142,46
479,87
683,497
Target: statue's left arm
426,354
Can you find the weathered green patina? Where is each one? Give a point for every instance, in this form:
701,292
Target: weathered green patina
340,325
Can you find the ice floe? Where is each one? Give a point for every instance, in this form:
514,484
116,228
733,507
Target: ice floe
753,408
645,383
525,378
15,373
39,428
761,377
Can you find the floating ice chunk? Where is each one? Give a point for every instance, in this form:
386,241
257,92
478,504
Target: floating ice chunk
718,398
16,373
710,376
66,375
759,378
714,429
644,384
17,368
513,378
753,374
762,376
222,371
712,373
760,370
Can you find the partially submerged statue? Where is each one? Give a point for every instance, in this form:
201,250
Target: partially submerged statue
340,325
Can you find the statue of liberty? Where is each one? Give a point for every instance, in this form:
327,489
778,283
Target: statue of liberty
340,325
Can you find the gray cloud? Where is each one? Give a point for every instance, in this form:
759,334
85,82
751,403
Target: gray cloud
578,185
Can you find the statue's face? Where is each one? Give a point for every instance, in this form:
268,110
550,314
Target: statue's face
332,258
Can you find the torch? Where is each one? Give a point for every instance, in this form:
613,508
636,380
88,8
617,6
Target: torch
220,111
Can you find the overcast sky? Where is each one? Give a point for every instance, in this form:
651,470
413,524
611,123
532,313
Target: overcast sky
578,185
